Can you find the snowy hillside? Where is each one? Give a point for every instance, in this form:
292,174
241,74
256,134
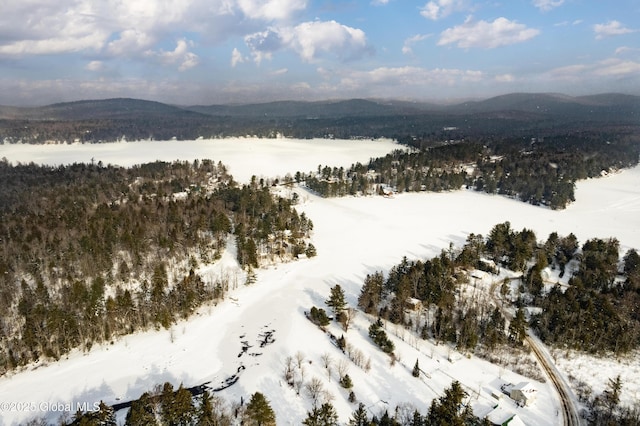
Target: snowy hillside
353,237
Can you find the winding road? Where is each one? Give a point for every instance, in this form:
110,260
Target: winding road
569,411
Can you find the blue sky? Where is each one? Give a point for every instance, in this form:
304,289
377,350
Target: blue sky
221,51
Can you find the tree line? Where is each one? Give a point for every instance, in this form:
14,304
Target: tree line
537,171
89,252
167,406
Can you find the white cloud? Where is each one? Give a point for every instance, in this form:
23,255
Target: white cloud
567,23
615,67
408,77
611,28
180,55
546,5
379,2
505,78
33,27
612,67
271,9
116,28
130,42
624,49
487,35
438,9
264,43
280,71
310,40
236,57
95,66
407,47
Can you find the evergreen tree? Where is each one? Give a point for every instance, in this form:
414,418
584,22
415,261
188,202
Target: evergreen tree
345,382
387,420
417,419
494,332
611,395
447,410
141,411
103,416
311,250
632,270
259,412
204,414
416,370
379,337
359,416
319,317
518,327
325,415
177,407
336,300
371,293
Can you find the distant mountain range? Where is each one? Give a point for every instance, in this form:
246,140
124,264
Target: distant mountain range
516,114
532,103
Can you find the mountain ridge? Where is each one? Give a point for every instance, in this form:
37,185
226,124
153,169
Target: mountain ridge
114,108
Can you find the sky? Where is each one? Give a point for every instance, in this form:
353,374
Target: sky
205,52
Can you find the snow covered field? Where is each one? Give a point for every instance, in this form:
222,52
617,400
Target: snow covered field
353,236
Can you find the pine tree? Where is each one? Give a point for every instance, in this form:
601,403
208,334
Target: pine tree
387,420
518,327
447,410
259,412
104,416
324,416
359,417
346,382
611,395
319,317
311,250
204,414
416,370
336,300
417,419
141,411
177,407
371,293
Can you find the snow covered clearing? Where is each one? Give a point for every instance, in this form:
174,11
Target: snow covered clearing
354,236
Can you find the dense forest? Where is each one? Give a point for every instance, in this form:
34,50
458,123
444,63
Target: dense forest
90,252
537,171
596,312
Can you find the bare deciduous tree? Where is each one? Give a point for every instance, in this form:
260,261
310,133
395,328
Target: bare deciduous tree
288,370
343,367
315,390
299,358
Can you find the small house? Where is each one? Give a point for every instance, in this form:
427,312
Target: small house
524,393
499,416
